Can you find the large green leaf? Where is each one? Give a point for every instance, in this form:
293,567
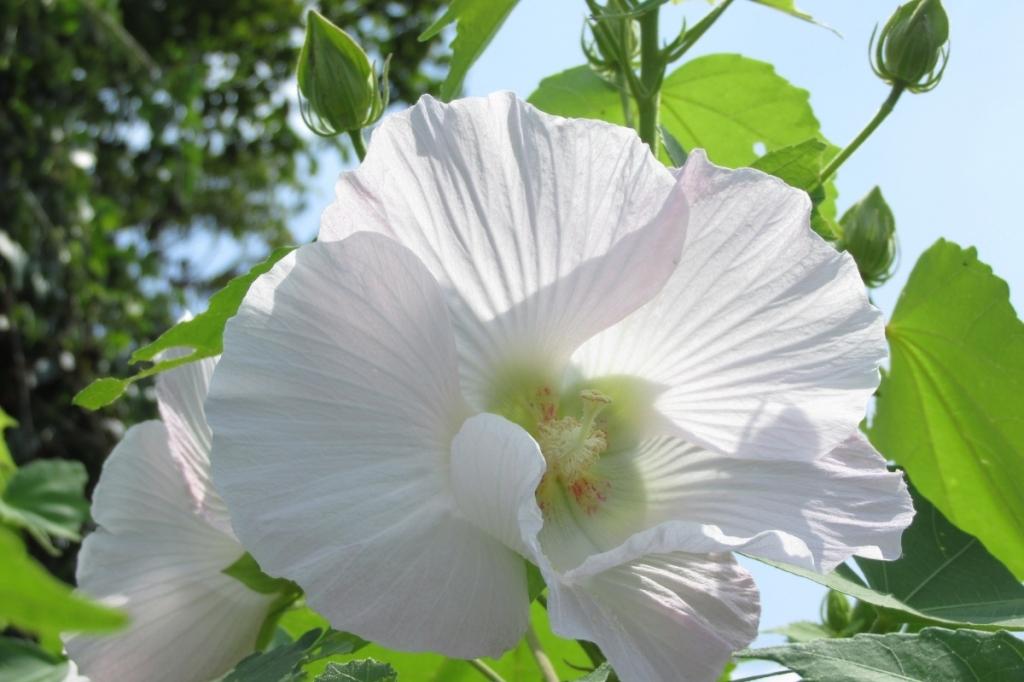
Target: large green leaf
476,23
23,661
944,576
725,103
950,410
579,93
33,600
203,334
729,104
932,655
947,574
46,498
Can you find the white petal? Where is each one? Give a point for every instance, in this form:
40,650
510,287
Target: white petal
333,409
763,342
662,618
496,467
815,514
543,230
180,394
156,558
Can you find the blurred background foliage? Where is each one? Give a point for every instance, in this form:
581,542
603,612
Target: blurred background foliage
135,133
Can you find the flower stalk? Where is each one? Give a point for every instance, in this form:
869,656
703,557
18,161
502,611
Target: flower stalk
883,112
357,143
652,73
547,670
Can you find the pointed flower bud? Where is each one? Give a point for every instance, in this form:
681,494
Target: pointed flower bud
837,611
912,49
338,88
869,234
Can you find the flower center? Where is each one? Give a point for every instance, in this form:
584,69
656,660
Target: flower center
571,447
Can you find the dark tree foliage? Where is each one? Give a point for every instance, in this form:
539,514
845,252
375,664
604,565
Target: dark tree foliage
130,132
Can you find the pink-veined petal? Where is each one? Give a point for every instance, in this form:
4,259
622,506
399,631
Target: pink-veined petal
542,230
763,342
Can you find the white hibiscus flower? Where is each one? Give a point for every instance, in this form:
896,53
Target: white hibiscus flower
521,336
163,540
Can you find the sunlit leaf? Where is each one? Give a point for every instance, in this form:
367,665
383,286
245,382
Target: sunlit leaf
931,655
730,105
203,334
725,103
33,600
476,23
950,408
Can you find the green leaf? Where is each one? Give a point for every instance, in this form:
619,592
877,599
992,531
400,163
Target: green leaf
367,670
276,665
46,498
950,408
579,93
724,103
599,674
7,465
803,631
933,654
33,600
790,8
23,661
944,576
476,23
248,572
800,166
203,334
947,574
518,664
675,152
727,104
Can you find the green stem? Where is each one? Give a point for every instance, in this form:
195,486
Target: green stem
486,670
883,112
652,72
547,670
357,143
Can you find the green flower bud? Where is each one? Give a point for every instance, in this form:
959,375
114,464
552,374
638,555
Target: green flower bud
338,90
912,48
869,235
837,611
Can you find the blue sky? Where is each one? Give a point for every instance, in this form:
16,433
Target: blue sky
947,161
